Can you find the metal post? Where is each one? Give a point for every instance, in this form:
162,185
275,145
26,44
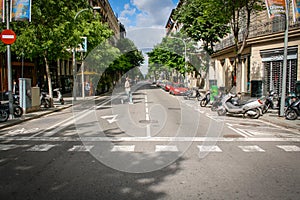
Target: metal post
74,74
9,70
284,70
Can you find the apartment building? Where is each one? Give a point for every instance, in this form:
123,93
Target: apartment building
262,58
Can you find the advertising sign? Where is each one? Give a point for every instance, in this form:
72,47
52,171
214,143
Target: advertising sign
2,10
20,10
296,10
275,8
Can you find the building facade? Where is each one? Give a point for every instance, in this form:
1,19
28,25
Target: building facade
260,70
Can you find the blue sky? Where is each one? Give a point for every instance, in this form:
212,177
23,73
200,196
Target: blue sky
143,13
144,20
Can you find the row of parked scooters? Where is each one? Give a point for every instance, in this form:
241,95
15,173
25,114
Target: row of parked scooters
45,102
232,103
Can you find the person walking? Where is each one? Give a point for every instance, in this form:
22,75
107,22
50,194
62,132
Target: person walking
128,90
87,88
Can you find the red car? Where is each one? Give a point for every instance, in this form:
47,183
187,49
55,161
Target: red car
168,86
178,89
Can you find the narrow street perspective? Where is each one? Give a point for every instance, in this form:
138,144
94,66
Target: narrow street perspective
150,99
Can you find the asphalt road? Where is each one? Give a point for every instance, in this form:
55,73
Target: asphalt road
161,147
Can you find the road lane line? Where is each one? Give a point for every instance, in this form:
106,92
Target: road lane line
41,147
82,148
238,132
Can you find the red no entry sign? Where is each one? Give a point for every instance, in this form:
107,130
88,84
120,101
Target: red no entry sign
8,36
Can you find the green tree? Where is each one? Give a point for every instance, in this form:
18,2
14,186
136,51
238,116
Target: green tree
52,33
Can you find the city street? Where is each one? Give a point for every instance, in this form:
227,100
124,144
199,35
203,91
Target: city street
160,147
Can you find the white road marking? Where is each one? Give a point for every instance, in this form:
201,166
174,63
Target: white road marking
252,148
164,148
238,132
123,148
81,148
110,118
5,147
209,148
289,148
148,128
41,147
150,139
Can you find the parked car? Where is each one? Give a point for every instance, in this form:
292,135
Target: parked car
168,86
178,89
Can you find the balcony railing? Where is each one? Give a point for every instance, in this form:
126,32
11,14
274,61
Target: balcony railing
257,29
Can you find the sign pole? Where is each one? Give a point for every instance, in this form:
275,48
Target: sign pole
284,70
9,71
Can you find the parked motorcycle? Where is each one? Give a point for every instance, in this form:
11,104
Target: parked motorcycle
193,93
45,100
268,102
217,102
293,111
205,99
17,111
59,96
251,108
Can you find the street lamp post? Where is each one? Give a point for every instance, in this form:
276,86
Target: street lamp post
185,57
74,55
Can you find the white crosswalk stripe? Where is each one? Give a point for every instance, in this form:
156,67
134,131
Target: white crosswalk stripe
41,147
289,148
163,148
251,148
123,148
81,148
131,148
5,147
207,148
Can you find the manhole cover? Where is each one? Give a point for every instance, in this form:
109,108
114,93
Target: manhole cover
148,121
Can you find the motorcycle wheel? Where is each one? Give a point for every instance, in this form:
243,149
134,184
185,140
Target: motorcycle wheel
291,115
265,108
45,103
203,103
221,112
3,116
62,102
18,111
257,114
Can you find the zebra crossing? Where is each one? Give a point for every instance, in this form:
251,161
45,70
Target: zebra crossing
132,148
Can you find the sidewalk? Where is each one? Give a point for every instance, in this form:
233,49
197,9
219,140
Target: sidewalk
272,117
33,115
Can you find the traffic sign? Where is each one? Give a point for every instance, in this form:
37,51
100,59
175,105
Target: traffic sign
8,36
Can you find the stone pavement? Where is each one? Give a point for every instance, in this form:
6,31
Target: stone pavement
271,116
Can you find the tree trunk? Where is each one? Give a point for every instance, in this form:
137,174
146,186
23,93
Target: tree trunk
48,76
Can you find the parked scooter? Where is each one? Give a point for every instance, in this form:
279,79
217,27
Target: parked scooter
250,108
205,99
293,111
59,96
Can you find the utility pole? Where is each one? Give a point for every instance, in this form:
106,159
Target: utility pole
9,71
284,70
